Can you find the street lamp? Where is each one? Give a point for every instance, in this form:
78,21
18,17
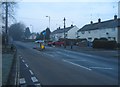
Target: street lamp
32,30
49,21
64,33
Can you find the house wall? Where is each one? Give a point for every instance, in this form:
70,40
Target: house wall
32,37
118,34
1,18
109,33
71,34
56,37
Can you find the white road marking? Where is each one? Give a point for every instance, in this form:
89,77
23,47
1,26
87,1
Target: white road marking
51,55
22,81
77,64
100,68
48,54
78,60
63,54
38,84
34,79
23,60
26,65
31,72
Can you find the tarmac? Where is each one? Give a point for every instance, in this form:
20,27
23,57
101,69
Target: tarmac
107,53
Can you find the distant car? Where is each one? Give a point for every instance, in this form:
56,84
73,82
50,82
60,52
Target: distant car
59,43
39,41
50,43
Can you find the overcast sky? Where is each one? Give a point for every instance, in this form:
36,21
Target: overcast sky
79,13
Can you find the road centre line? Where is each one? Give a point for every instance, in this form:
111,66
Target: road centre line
34,79
38,84
83,54
77,59
22,81
48,54
31,72
63,54
23,61
26,65
77,64
100,68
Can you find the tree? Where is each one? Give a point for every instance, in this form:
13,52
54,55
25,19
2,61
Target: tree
17,31
37,36
42,36
27,32
7,12
47,36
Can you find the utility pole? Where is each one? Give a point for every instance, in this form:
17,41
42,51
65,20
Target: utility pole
64,33
32,31
49,21
6,22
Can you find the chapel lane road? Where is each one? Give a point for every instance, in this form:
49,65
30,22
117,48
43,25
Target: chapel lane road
55,66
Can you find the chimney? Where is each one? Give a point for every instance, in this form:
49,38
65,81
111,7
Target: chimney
99,20
115,17
91,22
59,28
71,25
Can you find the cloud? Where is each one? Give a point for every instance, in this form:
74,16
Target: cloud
69,0
76,13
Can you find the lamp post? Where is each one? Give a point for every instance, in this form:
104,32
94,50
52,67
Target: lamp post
64,33
49,21
32,30
6,23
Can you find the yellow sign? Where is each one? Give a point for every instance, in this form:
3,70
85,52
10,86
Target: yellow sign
42,46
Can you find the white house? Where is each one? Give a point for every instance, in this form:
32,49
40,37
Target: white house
32,36
70,33
109,29
1,20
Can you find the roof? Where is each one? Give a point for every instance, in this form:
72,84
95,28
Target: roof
101,25
61,30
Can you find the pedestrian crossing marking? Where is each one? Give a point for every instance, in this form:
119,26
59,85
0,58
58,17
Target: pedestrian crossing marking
22,81
34,79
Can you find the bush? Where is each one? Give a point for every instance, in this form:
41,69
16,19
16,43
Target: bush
104,44
118,45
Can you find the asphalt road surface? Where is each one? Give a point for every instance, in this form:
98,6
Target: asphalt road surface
54,66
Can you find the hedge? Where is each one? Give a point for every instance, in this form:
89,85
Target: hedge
104,44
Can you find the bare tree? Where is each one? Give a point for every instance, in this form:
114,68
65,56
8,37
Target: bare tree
7,13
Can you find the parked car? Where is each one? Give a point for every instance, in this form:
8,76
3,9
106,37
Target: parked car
50,43
58,43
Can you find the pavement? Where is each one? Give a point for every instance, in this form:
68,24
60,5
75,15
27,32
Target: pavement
9,66
0,64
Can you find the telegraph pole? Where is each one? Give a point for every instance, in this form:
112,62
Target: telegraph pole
6,23
49,21
64,33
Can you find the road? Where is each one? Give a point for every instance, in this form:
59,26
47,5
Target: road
55,66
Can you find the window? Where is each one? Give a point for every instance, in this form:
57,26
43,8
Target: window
114,38
89,32
83,32
89,38
113,29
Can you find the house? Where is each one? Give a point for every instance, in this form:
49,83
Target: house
70,33
109,29
1,19
32,36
